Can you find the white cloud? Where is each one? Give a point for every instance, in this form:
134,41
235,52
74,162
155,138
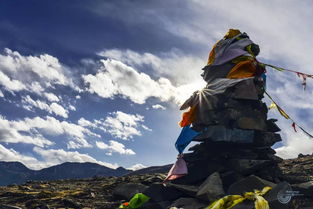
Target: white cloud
158,106
137,167
52,108
118,124
114,146
78,97
58,110
116,78
71,107
51,97
10,155
1,94
49,157
57,156
10,84
13,132
179,67
123,125
34,74
30,130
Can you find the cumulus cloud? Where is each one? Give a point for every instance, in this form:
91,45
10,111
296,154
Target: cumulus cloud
137,167
179,67
114,146
57,156
49,157
116,78
30,130
52,108
158,106
123,125
118,124
10,155
1,94
51,97
14,132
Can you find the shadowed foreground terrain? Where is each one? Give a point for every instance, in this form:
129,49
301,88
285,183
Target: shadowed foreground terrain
102,193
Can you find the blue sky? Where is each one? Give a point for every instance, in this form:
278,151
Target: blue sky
102,81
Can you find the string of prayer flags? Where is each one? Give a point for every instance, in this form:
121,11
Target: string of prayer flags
301,75
285,115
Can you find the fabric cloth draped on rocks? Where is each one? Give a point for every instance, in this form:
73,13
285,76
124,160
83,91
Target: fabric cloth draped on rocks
179,169
206,99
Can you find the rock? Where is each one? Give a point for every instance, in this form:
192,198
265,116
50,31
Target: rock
127,191
305,188
212,188
158,192
223,134
271,125
248,184
273,196
70,204
189,203
35,204
245,90
251,123
156,205
266,139
199,171
186,189
9,207
229,177
245,166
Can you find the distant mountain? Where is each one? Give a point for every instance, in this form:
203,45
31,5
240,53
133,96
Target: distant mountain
17,173
151,170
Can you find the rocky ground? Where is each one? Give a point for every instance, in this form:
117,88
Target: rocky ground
110,192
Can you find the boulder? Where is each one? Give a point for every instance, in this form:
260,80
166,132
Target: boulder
189,203
9,207
251,123
305,188
212,188
158,193
247,166
248,184
223,134
190,190
266,139
127,191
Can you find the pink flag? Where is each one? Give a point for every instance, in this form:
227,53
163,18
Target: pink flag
178,170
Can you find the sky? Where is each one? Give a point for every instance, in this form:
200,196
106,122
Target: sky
102,81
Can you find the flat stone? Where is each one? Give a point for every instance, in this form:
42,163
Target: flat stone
186,189
127,191
305,188
271,125
158,192
212,188
245,166
229,177
189,203
221,133
248,184
266,138
245,90
199,171
251,123
9,207
273,195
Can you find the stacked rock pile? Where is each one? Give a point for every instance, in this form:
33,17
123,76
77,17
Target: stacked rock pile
236,138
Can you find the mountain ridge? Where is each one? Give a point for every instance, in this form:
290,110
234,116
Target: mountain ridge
17,173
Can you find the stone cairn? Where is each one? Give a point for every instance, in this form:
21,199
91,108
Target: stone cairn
236,138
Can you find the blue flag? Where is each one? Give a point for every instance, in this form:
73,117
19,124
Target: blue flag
185,137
